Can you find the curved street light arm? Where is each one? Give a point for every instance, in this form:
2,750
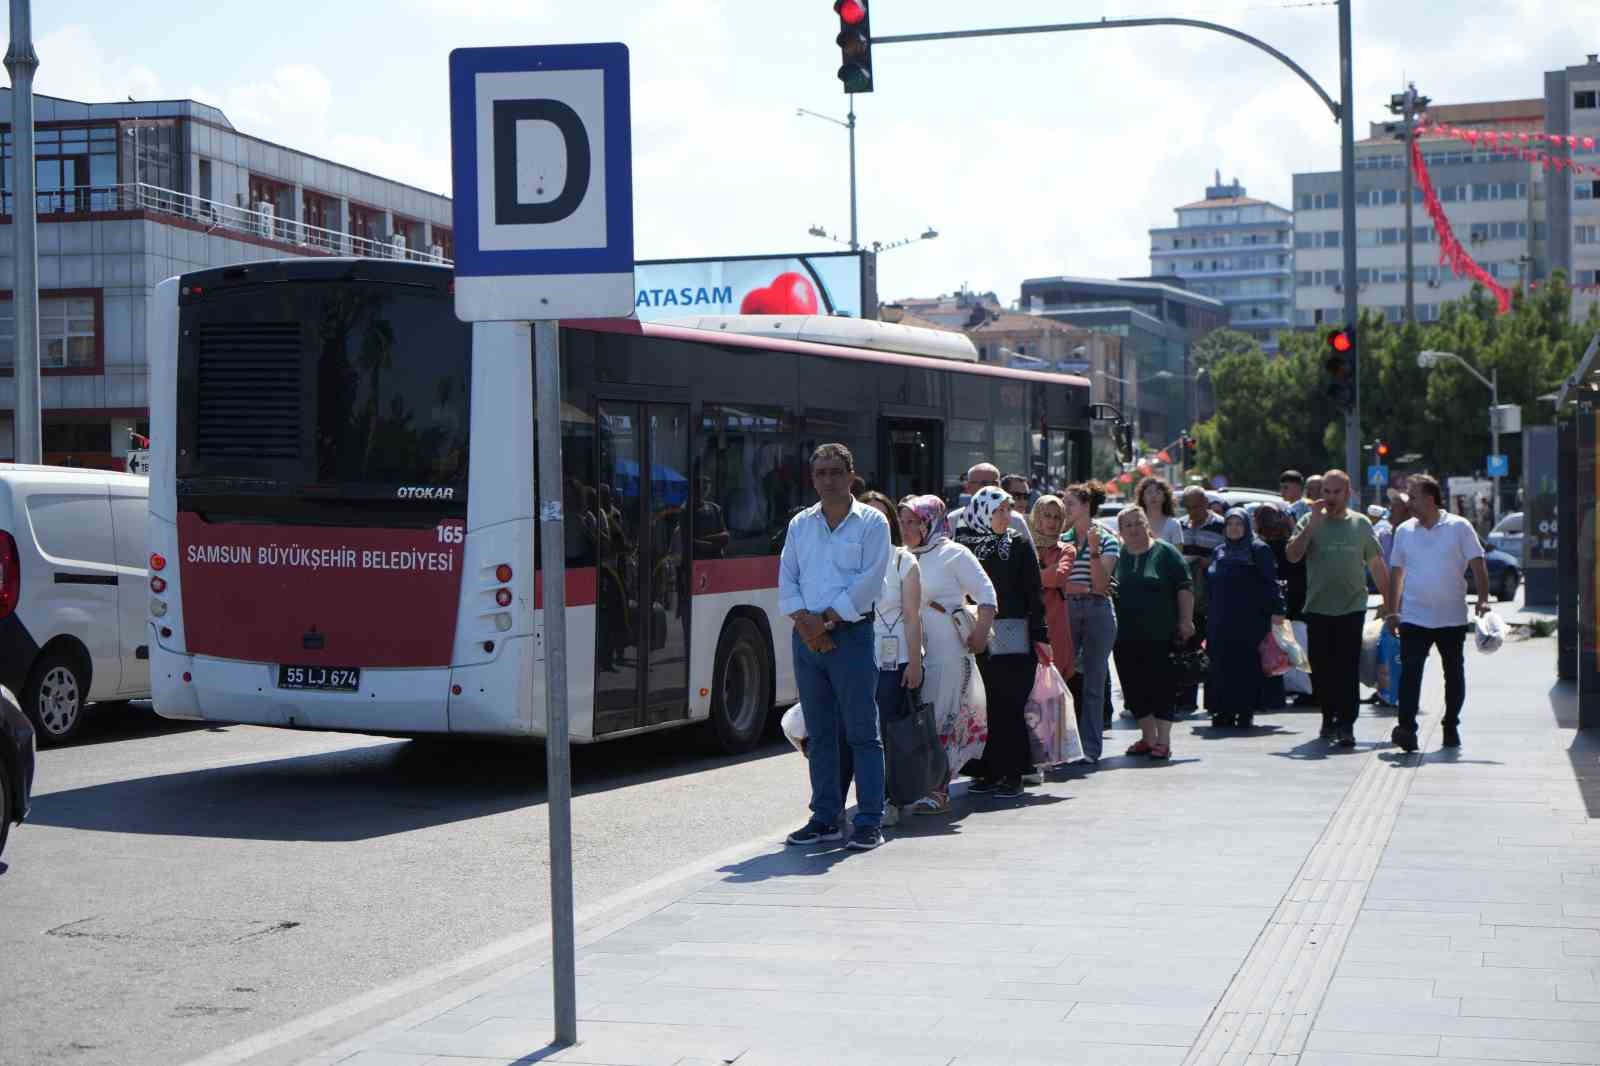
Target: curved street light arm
1112,24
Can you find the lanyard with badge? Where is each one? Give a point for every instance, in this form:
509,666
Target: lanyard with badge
889,644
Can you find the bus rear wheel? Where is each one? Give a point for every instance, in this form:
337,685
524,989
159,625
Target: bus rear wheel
741,689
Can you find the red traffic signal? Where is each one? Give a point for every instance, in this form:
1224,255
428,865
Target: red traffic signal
855,45
1339,341
1382,448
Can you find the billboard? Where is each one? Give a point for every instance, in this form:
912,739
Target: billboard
1540,489
822,283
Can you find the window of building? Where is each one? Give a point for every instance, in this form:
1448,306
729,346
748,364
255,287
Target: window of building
69,331
365,222
205,179
446,242
1330,238
75,169
1586,234
1583,99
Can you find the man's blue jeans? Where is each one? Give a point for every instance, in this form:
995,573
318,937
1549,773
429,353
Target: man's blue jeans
838,694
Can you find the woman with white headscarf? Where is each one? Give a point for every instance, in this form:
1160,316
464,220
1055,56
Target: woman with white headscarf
1021,638
951,636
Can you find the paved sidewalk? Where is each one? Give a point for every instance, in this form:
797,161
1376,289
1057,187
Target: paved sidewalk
1259,900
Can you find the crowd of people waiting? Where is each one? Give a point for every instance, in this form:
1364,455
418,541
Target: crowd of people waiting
961,605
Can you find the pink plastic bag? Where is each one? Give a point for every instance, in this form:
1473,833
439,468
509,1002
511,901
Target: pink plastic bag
1274,660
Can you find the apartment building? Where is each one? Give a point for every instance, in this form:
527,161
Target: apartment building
1572,202
129,194
1237,249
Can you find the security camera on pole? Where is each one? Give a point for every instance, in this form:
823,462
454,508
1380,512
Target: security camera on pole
541,149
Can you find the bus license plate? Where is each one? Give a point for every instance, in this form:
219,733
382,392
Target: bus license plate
330,679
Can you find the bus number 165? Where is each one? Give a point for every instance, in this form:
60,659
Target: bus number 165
452,534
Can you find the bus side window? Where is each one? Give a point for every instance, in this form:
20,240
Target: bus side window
749,473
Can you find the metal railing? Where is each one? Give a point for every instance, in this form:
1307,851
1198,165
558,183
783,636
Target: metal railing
221,217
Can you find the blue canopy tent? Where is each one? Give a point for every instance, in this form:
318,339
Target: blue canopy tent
669,487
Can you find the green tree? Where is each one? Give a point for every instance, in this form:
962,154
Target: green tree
1209,350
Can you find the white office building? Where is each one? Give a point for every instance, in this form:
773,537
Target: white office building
1572,107
1519,221
129,194
1236,249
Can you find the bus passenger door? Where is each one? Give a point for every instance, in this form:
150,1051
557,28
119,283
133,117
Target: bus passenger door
642,599
914,456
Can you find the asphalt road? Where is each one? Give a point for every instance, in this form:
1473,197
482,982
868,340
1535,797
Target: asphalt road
179,888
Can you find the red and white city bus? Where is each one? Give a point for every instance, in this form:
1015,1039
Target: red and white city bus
342,503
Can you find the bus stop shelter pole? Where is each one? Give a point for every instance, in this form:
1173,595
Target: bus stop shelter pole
558,750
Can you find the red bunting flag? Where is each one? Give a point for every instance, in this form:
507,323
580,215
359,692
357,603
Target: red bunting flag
1451,253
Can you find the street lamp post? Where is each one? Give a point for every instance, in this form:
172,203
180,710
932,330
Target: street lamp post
1429,359
855,243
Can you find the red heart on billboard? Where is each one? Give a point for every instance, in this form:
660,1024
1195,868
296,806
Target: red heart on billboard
789,294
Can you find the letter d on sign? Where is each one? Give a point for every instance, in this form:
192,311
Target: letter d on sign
509,206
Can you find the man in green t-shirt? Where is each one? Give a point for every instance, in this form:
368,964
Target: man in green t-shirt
1339,548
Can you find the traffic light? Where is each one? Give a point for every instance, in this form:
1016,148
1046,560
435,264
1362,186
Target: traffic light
855,45
1340,364
1124,432
1380,449
1188,450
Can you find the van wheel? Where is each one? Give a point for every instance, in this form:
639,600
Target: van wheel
741,687
54,698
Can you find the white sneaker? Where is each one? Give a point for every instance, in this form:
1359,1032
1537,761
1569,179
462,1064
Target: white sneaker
930,805
891,815
1034,778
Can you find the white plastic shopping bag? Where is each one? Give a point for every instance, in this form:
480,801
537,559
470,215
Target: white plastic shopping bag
1490,632
1297,682
794,727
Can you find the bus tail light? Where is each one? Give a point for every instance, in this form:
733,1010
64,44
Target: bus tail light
502,573
502,622
10,574
158,561
158,585
158,608
502,597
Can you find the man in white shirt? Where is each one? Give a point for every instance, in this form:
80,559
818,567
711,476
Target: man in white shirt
981,476
1432,552
829,575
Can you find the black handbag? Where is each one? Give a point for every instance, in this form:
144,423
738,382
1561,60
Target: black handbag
1190,665
914,758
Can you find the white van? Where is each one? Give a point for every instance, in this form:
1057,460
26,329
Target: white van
74,596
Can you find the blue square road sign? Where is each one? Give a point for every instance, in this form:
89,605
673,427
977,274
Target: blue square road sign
541,161
1499,466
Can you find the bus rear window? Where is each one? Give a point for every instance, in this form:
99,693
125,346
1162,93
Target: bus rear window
309,386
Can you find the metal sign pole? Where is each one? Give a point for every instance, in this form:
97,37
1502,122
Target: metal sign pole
558,751
21,61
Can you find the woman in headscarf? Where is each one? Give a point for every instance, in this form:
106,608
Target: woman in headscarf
1244,600
1020,639
951,637
1047,520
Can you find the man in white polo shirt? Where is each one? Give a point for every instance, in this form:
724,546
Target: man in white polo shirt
1427,575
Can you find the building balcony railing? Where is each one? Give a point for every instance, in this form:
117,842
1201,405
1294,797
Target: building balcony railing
90,200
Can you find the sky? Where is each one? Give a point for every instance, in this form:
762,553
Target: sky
1031,156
